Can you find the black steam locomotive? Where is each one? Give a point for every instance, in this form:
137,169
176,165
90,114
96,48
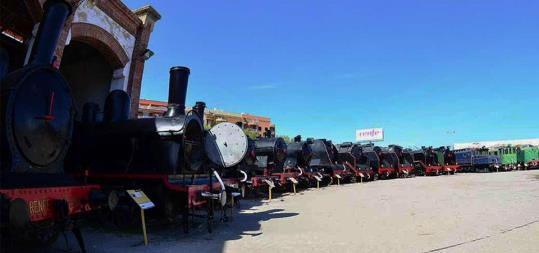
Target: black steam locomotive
164,156
406,160
37,199
264,158
350,155
426,162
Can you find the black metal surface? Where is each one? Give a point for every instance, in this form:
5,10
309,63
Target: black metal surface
117,106
274,148
177,90
90,112
50,28
164,145
298,154
36,107
321,156
4,62
199,109
37,111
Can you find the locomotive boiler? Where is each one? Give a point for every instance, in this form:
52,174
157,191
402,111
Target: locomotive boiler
37,199
299,154
168,145
265,157
322,167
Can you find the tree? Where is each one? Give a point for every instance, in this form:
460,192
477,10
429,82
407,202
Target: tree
252,134
285,138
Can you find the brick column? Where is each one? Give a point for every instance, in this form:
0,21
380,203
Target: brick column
149,16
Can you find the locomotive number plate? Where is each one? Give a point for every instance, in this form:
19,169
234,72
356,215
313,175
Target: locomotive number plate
38,207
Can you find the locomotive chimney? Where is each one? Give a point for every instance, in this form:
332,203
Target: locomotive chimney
177,91
50,28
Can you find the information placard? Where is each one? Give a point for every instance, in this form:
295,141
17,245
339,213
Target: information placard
141,199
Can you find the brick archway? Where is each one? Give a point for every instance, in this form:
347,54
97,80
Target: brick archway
101,40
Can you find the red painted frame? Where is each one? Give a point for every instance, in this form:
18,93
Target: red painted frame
40,200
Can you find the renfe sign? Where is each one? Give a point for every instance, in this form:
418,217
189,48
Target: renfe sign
371,134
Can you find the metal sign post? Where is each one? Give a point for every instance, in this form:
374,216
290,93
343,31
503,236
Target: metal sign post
144,203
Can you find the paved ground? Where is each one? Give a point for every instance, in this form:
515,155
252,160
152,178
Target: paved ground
497,212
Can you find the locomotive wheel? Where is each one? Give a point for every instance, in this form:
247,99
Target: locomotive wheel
34,236
47,235
125,216
170,207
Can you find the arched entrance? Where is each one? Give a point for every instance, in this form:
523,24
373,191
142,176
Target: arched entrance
88,73
94,63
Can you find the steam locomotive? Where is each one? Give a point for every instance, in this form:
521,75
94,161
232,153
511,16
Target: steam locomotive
426,162
171,158
298,159
348,156
447,159
37,199
264,163
406,161
383,162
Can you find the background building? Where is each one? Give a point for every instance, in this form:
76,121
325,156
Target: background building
258,124
102,48
489,144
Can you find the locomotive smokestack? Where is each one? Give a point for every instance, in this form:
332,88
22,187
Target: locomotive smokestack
50,28
177,91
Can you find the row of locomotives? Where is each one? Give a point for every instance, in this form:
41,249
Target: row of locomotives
446,157
171,158
38,200
426,162
350,155
263,167
322,168
405,160
516,157
340,172
381,161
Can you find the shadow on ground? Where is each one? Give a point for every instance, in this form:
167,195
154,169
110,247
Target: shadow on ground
245,222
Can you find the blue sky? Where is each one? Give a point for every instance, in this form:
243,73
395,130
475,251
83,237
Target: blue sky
428,72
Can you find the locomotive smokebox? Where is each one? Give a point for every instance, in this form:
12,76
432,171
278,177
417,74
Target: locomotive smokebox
50,28
177,90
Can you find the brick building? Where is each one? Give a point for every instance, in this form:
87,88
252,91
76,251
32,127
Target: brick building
103,46
259,124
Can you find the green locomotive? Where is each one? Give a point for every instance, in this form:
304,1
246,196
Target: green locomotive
526,154
515,157
508,156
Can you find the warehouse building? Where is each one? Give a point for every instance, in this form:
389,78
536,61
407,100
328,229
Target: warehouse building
258,124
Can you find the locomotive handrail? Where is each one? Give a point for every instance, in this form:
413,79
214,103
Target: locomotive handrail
244,176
